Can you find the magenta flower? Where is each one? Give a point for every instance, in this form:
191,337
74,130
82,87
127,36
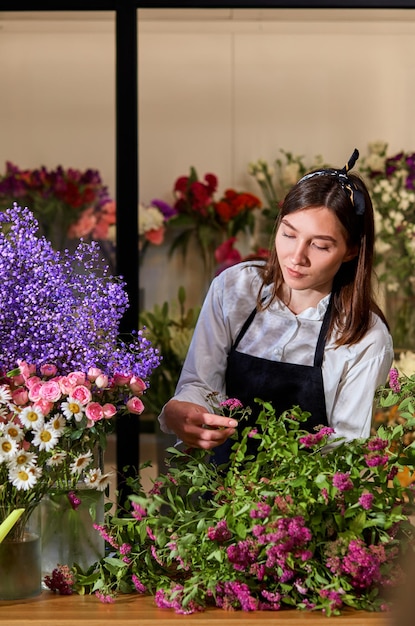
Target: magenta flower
343,482
366,500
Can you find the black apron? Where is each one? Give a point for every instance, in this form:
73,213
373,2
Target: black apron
284,385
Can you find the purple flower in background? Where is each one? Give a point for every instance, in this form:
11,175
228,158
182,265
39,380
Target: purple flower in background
62,308
366,500
167,210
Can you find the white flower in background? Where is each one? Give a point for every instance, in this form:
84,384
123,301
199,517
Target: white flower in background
8,448
149,218
392,287
57,458
376,162
22,477
81,462
406,363
24,458
378,147
45,438
5,395
291,173
31,417
58,424
95,479
72,408
13,431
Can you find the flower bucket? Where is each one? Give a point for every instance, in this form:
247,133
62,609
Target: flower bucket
69,536
20,558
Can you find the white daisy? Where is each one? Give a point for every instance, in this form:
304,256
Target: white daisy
22,478
45,438
13,431
72,408
80,463
58,424
32,417
97,480
5,395
8,448
56,459
24,458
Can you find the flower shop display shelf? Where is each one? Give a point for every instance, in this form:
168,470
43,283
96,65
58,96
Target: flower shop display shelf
49,609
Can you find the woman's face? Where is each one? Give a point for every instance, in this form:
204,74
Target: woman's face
311,246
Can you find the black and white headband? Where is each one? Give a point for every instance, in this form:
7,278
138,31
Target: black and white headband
354,194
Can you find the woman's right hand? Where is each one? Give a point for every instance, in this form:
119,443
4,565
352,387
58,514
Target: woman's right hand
195,426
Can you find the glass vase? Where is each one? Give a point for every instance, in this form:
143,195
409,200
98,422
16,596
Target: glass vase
20,558
69,536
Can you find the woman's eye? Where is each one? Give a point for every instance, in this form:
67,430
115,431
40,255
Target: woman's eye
288,235
320,247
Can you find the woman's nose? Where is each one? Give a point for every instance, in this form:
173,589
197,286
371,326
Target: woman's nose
299,256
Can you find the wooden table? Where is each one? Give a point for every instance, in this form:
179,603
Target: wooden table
49,609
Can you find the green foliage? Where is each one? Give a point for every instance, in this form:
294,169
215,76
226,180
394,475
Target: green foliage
169,327
303,522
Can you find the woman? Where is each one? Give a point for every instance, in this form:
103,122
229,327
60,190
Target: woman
300,329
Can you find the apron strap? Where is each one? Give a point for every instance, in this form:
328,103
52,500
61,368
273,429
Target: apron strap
321,342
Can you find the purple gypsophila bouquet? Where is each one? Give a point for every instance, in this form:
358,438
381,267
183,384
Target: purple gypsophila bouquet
296,525
62,308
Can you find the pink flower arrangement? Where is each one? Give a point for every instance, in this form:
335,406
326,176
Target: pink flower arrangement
50,425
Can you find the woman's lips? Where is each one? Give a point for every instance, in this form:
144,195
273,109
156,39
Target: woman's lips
294,273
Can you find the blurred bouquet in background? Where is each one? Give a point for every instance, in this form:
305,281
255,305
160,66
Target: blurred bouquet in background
391,182
152,222
210,222
68,203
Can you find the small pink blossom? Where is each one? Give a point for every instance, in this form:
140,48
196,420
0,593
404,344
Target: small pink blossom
135,405
109,410
44,406
48,369
26,369
76,378
20,396
137,385
93,373
121,379
34,391
94,411
82,394
101,381
50,391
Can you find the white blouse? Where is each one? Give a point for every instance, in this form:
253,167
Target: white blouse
351,374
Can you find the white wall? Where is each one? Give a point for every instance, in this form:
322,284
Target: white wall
217,89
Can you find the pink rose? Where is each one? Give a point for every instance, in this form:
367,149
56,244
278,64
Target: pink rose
50,391
77,378
93,373
121,379
82,394
134,405
32,381
94,411
109,410
137,385
44,406
34,391
20,396
66,385
26,369
101,381
48,369
17,380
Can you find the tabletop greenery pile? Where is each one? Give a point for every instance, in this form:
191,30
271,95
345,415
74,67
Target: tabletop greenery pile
310,522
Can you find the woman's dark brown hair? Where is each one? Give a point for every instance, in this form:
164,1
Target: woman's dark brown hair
352,293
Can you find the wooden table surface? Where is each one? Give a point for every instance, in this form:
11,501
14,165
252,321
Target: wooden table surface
49,609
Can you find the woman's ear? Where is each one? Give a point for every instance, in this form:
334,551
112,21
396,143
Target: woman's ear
351,254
